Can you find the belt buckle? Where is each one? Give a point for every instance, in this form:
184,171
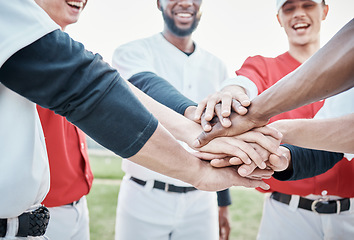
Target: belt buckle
320,200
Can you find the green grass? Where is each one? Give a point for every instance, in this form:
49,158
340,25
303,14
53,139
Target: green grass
106,166
245,212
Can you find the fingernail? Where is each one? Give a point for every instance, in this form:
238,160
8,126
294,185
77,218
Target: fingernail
225,113
242,171
263,165
208,116
196,143
207,128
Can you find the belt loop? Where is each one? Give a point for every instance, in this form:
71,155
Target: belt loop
12,227
294,202
351,202
166,187
149,185
338,206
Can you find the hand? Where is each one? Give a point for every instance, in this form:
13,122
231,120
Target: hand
216,179
277,163
221,104
281,162
224,224
253,146
231,98
240,124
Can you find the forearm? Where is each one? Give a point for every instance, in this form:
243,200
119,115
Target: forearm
163,154
308,163
181,128
326,73
332,134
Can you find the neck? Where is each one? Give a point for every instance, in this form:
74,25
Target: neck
185,44
303,52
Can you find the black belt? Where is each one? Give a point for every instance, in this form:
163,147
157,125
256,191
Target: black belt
29,224
165,186
319,205
74,203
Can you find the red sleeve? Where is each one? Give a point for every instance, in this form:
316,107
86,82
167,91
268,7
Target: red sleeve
254,68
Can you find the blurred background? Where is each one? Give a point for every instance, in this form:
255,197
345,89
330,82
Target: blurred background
230,29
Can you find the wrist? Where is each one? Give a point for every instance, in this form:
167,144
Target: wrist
257,116
190,112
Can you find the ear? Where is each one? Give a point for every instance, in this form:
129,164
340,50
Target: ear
279,20
158,4
325,12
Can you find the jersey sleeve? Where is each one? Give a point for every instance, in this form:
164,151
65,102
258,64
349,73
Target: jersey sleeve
224,198
132,58
254,68
308,163
162,91
58,73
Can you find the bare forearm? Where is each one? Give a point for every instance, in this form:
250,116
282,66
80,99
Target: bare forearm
333,134
325,74
163,154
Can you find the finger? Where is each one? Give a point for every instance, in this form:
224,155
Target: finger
206,137
243,99
209,110
200,109
263,173
205,124
226,101
235,161
278,163
270,131
268,143
246,169
208,156
252,154
220,163
250,183
225,121
238,108
261,151
231,148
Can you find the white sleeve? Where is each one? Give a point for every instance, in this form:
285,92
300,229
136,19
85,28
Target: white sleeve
133,57
247,84
21,23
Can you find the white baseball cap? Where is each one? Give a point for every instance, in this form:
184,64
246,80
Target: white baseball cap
280,3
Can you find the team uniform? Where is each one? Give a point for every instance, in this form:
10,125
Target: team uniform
24,177
31,42
293,219
144,211
70,177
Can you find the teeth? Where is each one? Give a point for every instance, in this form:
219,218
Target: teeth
300,25
184,14
76,4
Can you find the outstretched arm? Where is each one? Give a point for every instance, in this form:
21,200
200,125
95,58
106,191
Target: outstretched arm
301,132
328,72
89,93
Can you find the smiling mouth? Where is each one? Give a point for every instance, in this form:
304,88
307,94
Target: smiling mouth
78,5
301,26
184,14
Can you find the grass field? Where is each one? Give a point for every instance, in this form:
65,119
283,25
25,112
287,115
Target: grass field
245,212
